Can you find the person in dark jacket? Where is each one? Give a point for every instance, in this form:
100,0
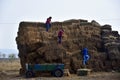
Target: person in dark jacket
60,33
48,23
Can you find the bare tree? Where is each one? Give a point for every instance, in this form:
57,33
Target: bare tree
11,56
3,55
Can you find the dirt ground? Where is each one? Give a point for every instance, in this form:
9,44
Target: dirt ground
9,70
14,75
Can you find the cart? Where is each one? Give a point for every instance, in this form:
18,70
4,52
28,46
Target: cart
55,69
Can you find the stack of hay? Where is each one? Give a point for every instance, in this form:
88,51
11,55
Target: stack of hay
37,46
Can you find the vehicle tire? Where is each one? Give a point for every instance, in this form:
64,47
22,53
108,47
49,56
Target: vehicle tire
58,73
30,74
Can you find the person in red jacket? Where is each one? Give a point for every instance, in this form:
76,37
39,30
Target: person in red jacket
60,33
48,23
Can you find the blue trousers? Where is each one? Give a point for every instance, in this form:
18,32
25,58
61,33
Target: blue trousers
85,59
48,26
59,39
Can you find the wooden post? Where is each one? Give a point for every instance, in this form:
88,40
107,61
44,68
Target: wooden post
67,73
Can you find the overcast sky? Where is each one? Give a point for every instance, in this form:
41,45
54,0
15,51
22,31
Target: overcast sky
12,12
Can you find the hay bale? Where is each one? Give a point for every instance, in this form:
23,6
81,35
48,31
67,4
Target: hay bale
83,72
67,73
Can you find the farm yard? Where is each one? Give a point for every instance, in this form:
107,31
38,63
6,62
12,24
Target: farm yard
41,40
36,46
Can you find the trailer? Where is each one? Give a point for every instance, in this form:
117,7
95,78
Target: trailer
56,70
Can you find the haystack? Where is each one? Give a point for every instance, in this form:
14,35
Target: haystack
35,45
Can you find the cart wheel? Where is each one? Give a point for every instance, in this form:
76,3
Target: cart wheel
58,73
29,74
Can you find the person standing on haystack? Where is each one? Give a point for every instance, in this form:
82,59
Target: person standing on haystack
48,23
85,56
60,33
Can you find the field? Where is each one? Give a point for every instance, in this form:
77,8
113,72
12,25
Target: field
9,65
9,70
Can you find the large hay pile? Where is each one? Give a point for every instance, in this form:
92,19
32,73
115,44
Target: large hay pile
35,45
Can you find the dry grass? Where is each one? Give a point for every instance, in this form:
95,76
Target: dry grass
10,65
9,70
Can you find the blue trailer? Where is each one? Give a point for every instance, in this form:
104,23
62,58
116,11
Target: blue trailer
57,70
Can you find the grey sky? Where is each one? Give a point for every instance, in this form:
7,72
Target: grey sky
12,12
